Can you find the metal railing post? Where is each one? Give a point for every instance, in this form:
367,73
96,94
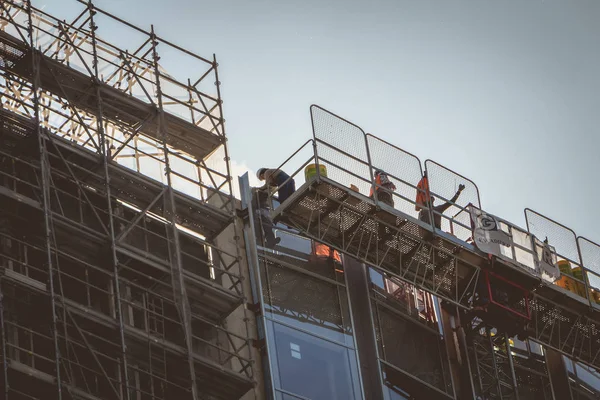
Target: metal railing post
371,175
315,147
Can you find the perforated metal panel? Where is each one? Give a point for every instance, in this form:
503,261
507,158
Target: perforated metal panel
293,294
590,256
562,238
403,168
347,160
443,184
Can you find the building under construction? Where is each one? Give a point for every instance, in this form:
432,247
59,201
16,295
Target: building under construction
130,271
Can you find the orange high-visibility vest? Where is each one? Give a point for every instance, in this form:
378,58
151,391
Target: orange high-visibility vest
423,195
325,251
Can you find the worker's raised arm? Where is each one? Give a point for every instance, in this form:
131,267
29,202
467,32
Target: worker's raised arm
446,205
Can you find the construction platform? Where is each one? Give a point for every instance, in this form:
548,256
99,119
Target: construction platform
79,90
439,263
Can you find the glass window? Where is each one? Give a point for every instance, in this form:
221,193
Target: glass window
279,395
310,367
376,278
294,242
393,394
588,375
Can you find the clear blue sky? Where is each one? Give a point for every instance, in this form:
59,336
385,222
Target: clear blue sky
504,92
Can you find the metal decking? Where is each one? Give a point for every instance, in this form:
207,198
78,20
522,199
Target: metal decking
448,268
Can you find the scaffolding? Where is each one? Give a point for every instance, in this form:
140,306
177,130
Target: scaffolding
341,209
115,186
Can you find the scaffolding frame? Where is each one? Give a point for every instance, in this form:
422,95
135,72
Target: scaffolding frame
120,261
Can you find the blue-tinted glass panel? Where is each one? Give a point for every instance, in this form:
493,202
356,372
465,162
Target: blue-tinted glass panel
312,367
294,242
568,364
286,396
376,278
391,394
589,376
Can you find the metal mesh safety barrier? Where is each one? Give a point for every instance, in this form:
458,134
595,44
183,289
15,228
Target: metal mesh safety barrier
443,184
560,237
342,149
403,169
590,256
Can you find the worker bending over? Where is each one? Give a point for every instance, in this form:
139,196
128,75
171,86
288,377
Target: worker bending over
384,188
276,178
425,201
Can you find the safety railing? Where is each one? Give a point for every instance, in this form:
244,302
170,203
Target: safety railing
350,157
575,278
590,257
443,185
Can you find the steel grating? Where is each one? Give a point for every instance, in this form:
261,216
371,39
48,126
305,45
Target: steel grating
328,212
399,246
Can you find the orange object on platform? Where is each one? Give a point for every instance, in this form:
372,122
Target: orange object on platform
325,251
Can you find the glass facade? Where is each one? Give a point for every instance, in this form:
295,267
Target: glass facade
309,329
311,367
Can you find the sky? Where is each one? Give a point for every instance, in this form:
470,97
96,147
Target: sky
506,93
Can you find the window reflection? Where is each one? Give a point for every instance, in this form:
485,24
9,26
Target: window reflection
311,367
295,243
376,278
394,394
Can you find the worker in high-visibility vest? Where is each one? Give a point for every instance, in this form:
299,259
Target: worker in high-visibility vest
384,188
323,253
423,195
426,200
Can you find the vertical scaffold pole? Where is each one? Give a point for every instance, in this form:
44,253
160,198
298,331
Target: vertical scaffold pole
45,186
104,148
3,338
174,248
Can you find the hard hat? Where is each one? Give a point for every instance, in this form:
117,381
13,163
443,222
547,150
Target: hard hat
260,172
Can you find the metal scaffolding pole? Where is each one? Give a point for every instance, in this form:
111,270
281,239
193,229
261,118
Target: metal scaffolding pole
105,152
45,184
174,248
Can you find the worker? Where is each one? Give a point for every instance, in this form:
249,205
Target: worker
423,195
262,218
384,188
322,253
278,179
437,210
